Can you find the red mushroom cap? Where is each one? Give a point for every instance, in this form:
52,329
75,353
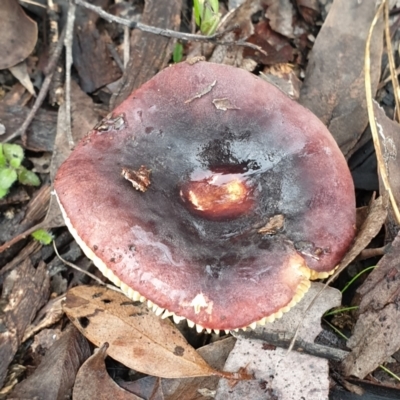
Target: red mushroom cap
211,194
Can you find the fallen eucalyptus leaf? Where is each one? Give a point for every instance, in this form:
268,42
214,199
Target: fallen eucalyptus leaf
214,353
138,338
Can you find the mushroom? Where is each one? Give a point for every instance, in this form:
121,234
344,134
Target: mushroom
211,195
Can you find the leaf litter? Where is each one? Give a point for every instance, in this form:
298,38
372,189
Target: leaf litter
138,338
334,71
93,381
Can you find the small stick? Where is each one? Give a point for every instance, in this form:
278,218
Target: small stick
68,64
98,280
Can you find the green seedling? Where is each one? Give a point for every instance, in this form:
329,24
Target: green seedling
356,277
43,236
206,15
12,170
177,53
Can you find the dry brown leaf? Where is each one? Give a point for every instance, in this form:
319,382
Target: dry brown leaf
334,87
370,228
20,71
284,78
47,316
277,47
55,376
137,337
18,34
280,15
214,353
309,9
376,334
93,381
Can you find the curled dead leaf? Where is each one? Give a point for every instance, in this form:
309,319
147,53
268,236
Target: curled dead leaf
18,34
93,381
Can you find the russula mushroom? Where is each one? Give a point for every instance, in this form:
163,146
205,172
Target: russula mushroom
211,195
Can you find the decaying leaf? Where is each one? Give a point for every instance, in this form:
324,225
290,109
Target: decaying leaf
214,353
20,71
373,223
93,381
309,9
334,87
376,333
280,14
287,376
137,337
276,46
55,376
18,34
284,78
47,316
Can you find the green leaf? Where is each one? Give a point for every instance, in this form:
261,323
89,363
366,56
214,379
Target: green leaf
178,53
198,11
14,154
3,193
206,15
2,157
7,177
214,5
27,177
209,26
43,236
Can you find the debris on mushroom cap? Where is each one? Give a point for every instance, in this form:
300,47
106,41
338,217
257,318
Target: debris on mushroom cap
246,204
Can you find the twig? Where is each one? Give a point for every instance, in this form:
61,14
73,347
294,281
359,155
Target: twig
127,47
56,90
34,3
75,267
283,340
375,252
115,56
167,32
49,71
68,65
